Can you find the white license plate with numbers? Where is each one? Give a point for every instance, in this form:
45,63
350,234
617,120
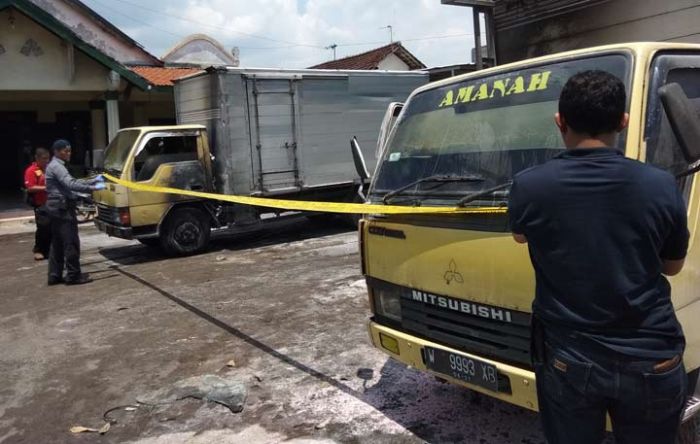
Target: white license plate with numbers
461,367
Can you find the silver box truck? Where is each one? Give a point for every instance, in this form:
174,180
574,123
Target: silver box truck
251,132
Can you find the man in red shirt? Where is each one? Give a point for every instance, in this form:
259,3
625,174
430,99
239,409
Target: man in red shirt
35,184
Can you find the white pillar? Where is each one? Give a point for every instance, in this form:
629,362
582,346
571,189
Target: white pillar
99,131
112,107
112,104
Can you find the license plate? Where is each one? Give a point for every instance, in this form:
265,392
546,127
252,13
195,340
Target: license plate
461,367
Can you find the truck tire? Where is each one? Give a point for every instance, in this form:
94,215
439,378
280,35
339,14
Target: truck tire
185,231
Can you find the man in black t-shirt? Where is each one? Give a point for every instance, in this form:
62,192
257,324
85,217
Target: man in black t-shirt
602,232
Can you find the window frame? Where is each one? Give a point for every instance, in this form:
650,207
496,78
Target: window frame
146,138
661,64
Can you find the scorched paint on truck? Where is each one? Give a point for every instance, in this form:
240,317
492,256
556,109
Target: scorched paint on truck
452,294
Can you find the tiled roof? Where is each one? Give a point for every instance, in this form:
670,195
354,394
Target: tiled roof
162,76
372,59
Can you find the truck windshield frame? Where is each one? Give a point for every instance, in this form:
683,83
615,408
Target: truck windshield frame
491,126
118,150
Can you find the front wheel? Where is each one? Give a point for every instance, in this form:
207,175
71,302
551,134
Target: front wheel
185,231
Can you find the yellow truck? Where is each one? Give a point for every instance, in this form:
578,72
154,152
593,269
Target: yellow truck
451,294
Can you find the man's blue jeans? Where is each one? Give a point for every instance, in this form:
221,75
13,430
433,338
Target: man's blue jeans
576,388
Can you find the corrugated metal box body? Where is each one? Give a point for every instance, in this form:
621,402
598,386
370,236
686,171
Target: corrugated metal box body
283,131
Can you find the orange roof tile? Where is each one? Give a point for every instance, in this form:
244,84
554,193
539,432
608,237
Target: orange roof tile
372,59
162,76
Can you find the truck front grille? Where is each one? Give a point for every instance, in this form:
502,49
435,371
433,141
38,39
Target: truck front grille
484,330
107,214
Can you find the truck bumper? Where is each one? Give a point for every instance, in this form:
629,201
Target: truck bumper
113,230
410,351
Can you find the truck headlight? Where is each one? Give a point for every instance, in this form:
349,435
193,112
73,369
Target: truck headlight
388,304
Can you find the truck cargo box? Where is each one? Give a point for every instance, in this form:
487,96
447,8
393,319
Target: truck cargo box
276,132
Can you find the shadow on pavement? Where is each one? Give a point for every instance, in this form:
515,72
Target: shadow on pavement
131,254
440,412
297,230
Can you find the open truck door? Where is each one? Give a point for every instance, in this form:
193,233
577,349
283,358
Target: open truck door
390,117
388,122
684,119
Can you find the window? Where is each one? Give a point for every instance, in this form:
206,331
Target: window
118,151
163,149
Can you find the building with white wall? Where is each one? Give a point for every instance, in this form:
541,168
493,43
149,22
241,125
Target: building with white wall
65,72
200,50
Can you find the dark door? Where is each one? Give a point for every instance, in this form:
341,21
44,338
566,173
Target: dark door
75,126
16,147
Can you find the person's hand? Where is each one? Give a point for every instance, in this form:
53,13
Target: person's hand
100,178
99,186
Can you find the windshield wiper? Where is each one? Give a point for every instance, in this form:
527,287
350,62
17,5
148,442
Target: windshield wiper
472,197
436,178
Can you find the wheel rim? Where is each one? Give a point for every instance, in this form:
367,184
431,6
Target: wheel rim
187,234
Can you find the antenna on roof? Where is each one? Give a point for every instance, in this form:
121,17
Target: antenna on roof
391,32
332,46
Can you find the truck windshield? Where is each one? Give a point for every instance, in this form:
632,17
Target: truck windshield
489,127
118,151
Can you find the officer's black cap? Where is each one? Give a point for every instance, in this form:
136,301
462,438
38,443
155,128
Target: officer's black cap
60,144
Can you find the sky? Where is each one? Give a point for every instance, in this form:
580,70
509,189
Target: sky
295,33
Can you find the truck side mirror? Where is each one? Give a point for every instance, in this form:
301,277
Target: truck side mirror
684,120
359,159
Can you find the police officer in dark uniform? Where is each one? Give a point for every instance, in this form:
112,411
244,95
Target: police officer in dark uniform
61,205
602,231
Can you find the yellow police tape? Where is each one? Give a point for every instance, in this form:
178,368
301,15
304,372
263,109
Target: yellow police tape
302,205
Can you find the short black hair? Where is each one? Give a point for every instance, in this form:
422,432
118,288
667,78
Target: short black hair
60,144
41,151
593,102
